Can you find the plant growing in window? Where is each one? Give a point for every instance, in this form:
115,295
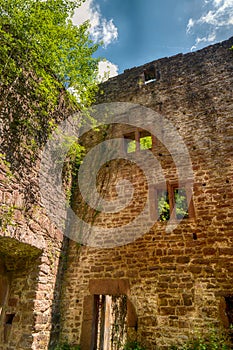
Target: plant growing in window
163,205
145,140
181,203
173,202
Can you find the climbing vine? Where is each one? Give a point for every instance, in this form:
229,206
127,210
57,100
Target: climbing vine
7,213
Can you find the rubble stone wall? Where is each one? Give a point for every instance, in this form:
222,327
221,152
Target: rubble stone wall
178,279
30,251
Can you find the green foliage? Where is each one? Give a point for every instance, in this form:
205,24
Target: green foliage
181,203
133,346
145,142
71,166
44,59
7,216
40,41
163,205
131,146
66,346
6,165
214,340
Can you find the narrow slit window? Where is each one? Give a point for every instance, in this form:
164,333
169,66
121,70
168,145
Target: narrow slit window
7,326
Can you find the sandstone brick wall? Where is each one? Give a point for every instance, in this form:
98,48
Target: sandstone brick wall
177,278
30,249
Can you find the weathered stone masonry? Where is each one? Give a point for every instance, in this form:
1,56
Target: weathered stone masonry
174,281
180,280
30,247
30,250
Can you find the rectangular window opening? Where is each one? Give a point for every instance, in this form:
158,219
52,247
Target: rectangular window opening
9,318
7,326
145,140
172,202
181,203
130,143
229,308
229,314
163,205
150,75
137,141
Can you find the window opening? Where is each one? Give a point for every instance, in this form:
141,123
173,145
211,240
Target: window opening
137,141
111,322
229,313
9,318
150,75
173,202
181,203
145,140
163,205
130,143
229,308
7,326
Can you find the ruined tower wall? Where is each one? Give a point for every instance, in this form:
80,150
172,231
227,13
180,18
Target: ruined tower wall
30,250
178,280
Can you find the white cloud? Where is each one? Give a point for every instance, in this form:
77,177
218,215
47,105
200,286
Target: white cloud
190,24
82,13
107,70
205,39
215,23
218,2
101,29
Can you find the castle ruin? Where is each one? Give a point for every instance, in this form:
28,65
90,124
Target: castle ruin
167,274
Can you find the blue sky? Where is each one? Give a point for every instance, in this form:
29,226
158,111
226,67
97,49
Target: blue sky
138,31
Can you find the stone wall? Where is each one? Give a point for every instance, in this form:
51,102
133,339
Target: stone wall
30,252
179,279
30,248
175,280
